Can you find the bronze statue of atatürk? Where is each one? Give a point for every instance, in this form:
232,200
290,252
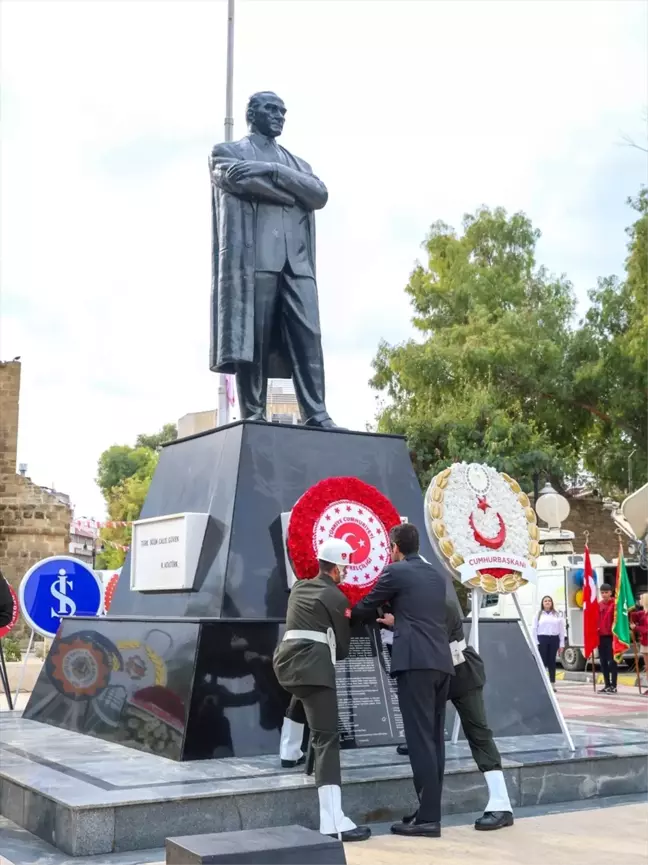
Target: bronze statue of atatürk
265,317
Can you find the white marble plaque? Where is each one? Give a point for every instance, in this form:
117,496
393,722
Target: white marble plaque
165,552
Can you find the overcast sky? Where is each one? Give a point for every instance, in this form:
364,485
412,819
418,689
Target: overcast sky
409,111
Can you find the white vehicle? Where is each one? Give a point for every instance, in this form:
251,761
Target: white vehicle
558,564
558,570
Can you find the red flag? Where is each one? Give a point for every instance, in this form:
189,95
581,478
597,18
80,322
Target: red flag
590,608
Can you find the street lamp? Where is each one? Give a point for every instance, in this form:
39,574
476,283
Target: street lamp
94,549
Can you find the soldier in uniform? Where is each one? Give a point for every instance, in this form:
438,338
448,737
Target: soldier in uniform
466,695
317,634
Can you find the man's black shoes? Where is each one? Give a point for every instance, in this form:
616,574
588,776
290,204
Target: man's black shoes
402,750
417,830
491,820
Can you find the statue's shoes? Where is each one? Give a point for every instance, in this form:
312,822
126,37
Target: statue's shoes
325,423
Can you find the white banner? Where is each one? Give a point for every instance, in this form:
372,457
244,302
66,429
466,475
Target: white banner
480,561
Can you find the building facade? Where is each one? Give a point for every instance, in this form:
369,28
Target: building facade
281,408
34,521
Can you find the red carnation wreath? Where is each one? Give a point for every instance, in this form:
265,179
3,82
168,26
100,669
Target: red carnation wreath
349,509
14,616
110,591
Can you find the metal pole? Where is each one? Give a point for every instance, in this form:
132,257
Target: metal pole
24,667
223,400
4,678
630,470
473,640
229,84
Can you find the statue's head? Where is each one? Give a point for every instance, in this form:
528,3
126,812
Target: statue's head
266,114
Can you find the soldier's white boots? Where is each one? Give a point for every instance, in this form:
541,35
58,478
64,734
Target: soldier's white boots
292,736
498,794
498,812
332,818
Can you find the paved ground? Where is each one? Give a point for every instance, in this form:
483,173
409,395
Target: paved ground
579,701
598,832
574,838
586,833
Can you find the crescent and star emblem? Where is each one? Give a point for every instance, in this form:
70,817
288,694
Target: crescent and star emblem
491,543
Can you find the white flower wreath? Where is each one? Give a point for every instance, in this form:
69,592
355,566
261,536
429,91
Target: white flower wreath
478,516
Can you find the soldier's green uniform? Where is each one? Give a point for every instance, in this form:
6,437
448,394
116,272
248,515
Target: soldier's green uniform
305,668
466,694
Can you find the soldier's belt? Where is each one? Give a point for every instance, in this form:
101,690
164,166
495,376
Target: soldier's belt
456,650
328,639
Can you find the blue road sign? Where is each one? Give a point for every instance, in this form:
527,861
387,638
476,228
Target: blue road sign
57,588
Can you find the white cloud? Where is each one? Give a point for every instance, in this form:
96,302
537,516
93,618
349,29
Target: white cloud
409,111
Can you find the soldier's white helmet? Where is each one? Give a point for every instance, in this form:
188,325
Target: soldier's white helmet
336,552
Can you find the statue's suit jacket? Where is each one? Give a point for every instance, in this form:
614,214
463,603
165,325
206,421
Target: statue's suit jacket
235,247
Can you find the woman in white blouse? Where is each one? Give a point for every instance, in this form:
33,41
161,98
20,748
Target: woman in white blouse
549,633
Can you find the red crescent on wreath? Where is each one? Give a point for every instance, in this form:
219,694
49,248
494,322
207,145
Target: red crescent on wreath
110,591
492,543
350,509
14,616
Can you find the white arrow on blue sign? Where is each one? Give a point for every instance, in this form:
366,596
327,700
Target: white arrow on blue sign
57,588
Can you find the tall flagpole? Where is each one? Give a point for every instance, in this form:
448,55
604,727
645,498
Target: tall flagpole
226,385
229,86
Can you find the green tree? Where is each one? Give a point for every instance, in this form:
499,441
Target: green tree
124,476
120,462
168,433
610,360
483,380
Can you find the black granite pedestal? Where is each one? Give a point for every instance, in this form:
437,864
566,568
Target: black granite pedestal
516,697
245,476
188,674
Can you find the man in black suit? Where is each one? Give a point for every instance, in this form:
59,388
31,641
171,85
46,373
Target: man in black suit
422,665
466,694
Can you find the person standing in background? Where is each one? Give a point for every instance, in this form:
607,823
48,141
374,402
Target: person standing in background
639,625
606,656
549,634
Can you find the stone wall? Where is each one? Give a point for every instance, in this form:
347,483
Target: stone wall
588,514
34,524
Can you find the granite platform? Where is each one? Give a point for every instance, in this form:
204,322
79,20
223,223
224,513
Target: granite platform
86,796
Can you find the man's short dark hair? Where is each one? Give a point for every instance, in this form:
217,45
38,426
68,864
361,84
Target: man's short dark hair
406,538
325,567
606,587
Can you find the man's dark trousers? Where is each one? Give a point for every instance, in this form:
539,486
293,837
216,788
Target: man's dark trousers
608,664
422,696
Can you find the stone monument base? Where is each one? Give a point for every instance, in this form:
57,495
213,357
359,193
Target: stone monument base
198,689
87,796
